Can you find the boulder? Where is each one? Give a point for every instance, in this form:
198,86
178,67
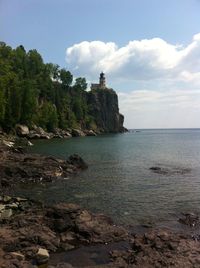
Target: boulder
39,133
33,135
77,161
22,130
8,143
77,133
190,219
60,133
90,133
42,256
5,214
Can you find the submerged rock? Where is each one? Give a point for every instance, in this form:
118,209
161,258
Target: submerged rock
77,161
169,170
190,219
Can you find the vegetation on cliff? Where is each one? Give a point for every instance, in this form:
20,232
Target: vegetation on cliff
36,93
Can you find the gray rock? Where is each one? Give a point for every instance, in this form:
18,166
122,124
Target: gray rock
18,256
8,143
42,256
90,133
22,130
5,214
2,207
77,133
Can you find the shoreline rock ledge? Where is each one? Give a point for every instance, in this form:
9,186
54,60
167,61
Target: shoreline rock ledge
34,231
33,234
17,166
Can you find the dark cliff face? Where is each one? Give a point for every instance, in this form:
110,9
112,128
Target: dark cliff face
104,108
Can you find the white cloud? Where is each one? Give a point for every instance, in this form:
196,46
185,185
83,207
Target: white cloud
169,75
138,60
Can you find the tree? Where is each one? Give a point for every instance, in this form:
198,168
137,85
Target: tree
80,83
66,77
48,117
29,102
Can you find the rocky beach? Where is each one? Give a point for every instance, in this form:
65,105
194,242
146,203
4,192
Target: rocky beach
66,235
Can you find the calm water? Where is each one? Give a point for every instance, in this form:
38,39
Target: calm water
119,182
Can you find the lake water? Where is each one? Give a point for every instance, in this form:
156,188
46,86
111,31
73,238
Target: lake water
119,182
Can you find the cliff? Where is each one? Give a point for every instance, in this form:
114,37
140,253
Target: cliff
50,98
103,107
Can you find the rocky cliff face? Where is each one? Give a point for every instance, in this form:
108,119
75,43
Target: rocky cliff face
104,108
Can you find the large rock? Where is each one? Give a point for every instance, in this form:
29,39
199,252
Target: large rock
90,133
77,161
42,256
105,111
39,133
60,133
17,166
22,130
77,133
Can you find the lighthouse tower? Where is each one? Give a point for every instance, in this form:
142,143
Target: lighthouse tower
102,80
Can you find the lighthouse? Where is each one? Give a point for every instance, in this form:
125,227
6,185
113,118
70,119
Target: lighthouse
102,82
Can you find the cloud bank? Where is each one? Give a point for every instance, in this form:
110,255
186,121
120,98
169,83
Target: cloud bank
138,60
167,75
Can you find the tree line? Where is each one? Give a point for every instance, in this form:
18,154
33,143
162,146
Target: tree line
36,93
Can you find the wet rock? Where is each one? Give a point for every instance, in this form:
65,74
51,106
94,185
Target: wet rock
190,219
22,167
66,246
169,170
159,248
77,161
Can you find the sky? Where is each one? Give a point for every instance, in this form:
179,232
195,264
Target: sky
148,49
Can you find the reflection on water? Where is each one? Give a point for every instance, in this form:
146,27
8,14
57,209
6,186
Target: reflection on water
119,181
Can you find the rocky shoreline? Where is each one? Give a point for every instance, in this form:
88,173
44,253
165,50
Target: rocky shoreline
39,133
33,235
18,166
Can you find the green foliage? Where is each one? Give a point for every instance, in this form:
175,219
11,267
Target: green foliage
80,83
47,116
66,77
32,92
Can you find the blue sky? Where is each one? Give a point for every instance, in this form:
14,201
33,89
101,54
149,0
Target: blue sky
149,50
